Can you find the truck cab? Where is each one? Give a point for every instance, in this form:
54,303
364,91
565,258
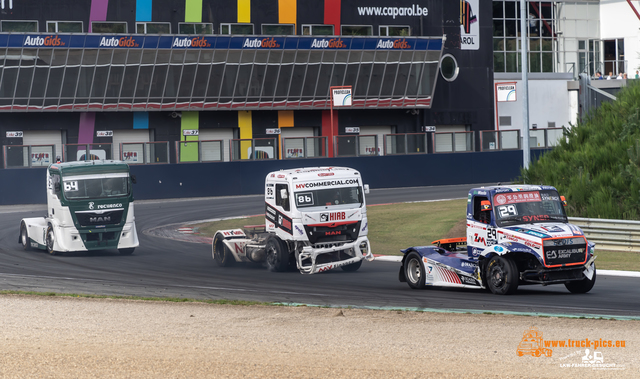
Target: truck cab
527,227
516,235
316,218
89,207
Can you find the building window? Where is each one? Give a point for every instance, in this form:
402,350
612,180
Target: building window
394,30
542,23
357,30
153,28
64,27
19,26
194,28
449,67
108,27
278,29
236,28
317,30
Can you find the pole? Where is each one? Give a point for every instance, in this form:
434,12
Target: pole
524,15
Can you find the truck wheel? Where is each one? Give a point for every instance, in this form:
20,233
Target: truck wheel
502,275
128,251
50,240
414,271
24,237
582,286
277,255
221,253
353,267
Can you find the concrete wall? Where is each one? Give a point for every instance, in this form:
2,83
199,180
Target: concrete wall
549,101
27,186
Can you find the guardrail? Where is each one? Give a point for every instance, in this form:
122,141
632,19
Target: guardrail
614,235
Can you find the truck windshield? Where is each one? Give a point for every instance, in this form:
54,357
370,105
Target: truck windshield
327,197
528,207
95,187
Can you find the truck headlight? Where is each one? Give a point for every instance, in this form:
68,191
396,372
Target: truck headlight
363,247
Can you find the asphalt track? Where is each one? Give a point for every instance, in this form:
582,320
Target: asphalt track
168,268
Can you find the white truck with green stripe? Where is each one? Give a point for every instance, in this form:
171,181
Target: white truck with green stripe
89,207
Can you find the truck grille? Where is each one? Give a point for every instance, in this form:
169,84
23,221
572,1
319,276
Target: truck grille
344,233
565,251
104,218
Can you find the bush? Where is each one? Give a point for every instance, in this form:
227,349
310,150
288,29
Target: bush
597,165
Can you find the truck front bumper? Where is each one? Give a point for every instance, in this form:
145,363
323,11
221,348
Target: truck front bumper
307,259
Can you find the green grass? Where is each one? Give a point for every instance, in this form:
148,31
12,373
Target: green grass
398,226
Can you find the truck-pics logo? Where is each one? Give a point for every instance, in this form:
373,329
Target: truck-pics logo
532,344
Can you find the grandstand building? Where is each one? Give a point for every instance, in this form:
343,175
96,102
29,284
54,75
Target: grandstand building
160,81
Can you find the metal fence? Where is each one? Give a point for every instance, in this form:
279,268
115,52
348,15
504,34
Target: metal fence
253,149
304,147
613,235
144,152
21,156
279,147
356,145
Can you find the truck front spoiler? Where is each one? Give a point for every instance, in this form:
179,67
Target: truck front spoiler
309,253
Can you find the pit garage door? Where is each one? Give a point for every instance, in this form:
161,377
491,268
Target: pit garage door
215,151
293,142
371,139
133,144
42,155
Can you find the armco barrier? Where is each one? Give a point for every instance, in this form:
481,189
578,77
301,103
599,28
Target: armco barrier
27,186
612,235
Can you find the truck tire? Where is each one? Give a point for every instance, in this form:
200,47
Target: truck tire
353,267
414,271
277,255
582,286
50,240
127,251
502,275
24,237
221,253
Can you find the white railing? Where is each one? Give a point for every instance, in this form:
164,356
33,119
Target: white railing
613,235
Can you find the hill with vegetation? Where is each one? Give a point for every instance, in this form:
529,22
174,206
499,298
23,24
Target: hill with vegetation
597,165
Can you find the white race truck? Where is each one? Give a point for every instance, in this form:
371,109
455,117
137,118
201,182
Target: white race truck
89,207
315,219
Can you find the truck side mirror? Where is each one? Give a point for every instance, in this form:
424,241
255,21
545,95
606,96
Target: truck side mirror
485,205
133,179
366,189
563,201
284,194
